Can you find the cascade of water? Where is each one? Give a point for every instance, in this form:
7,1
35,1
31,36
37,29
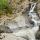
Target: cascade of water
31,12
34,18
30,31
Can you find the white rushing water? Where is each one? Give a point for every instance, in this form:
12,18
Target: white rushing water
35,18
19,22
30,32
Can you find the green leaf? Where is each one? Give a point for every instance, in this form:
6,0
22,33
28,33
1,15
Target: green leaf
3,4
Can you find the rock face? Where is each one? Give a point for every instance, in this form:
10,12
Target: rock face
18,5
38,9
4,29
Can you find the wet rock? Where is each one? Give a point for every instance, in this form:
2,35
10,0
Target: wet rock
38,35
4,29
10,36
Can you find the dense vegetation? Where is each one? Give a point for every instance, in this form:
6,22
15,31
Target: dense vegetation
4,6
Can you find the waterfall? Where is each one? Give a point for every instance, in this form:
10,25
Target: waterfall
30,32
34,18
31,12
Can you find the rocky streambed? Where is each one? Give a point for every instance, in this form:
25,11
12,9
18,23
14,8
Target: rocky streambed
8,25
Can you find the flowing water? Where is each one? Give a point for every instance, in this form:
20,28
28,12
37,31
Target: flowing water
20,26
30,31
34,17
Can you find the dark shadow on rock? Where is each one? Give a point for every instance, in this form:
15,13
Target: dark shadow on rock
4,29
38,34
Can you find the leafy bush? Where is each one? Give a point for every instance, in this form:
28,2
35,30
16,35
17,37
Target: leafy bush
3,4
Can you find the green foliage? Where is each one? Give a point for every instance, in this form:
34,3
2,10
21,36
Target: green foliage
3,4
